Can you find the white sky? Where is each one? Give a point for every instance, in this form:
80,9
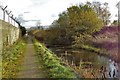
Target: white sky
47,10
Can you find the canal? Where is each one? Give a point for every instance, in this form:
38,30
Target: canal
86,63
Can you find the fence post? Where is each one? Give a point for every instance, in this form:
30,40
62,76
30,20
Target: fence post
11,20
4,12
9,16
14,22
8,19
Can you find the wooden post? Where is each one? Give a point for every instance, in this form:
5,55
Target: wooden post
80,64
66,56
65,53
72,63
66,61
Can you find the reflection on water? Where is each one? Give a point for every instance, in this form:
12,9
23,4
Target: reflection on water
89,63
82,56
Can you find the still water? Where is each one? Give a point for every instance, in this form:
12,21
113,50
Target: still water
89,63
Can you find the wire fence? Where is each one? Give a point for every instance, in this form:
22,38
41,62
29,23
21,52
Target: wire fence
9,28
7,17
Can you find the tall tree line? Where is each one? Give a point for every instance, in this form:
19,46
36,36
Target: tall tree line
76,25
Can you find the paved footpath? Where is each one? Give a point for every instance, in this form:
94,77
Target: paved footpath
30,67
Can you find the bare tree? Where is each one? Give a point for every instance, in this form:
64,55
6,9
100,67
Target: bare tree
20,19
102,11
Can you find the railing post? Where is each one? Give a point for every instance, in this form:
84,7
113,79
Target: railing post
3,15
80,64
72,63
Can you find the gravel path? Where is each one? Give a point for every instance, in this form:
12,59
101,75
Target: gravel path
30,67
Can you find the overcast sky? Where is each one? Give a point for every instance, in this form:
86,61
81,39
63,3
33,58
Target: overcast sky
47,10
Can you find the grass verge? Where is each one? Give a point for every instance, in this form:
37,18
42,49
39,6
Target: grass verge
11,59
56,69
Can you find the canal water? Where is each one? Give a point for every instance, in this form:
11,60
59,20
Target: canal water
90,64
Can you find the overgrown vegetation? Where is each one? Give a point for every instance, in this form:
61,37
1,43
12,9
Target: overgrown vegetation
55,67
75,27
11,59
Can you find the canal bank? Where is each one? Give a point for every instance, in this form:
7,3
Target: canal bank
85,62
